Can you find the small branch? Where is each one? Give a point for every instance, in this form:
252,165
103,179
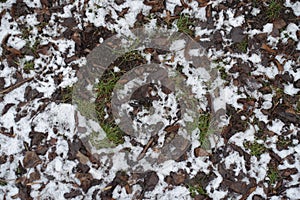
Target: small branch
11,88
142,154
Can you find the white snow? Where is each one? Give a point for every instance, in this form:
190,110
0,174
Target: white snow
61,116
295,6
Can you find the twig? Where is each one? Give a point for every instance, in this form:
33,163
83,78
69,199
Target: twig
11,88
246,195
142,154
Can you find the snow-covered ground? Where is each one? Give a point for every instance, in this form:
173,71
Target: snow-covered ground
45,43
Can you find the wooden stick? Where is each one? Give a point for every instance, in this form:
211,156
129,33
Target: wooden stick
11,88
142,154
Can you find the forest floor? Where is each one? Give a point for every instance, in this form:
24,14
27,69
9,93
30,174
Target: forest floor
51,148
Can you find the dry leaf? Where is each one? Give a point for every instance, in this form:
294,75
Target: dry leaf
173,128
199,152
279,66
14,51
31,160
82,158
268,49
202,3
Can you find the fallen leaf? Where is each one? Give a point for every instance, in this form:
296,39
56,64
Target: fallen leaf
85,180
279,65
82,158
150,180
172,128
199,152
14,51
267,48
31,159
202,3
123,12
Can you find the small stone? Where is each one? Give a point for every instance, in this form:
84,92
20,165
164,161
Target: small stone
237,34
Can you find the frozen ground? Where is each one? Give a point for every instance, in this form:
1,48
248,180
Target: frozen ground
255,47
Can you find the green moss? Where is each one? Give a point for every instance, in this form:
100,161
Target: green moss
86,108
283,142
97,143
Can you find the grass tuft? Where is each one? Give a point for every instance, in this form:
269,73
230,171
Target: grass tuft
274,9
243,45
273,175
256,149
28,66
184,24
196,190
205,130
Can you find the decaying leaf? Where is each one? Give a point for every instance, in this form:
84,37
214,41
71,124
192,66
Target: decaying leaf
31,160
268,49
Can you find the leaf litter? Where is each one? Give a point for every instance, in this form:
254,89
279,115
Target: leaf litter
257,53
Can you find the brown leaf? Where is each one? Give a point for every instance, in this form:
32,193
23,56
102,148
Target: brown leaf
34,176
267,48
202,3
179,177
72,194
85,180
151,179
45,3
77,38
245,196
279,66
172,128
82,158
43,49
14,51
37,137
3,159
123,12
237,187
7,107
199,152
265,89
279,23
31,160
157,5
184,4
128,189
